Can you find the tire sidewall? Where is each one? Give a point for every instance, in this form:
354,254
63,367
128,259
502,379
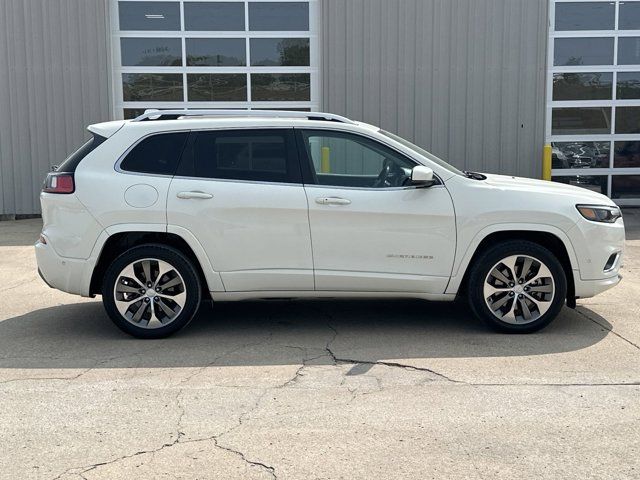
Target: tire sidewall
490,258
160,252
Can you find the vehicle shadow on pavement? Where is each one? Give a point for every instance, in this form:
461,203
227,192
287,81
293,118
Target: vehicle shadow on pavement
281,333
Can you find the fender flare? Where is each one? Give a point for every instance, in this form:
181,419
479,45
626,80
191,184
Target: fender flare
461,266
214,281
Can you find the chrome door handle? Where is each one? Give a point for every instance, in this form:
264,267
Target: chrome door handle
199,195
332,201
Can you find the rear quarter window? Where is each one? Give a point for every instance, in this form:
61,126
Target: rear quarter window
72,162
158,154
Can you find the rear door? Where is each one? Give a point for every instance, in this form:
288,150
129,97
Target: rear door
370,229
240,193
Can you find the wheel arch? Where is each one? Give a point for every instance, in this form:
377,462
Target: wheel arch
544,235
120,241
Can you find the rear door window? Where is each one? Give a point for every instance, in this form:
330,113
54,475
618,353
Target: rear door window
158,154
267,155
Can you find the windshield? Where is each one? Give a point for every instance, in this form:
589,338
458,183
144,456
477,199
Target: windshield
422,152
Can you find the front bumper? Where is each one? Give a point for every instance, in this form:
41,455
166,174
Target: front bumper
591,288
593,244
70,275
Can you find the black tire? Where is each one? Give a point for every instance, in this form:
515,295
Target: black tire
182,266
490,257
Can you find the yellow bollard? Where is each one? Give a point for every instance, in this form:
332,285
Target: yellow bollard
546,162
325,165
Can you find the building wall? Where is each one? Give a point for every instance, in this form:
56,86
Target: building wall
463,78
54,80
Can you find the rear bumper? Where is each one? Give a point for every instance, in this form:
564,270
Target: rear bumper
591,288
66,274
44,279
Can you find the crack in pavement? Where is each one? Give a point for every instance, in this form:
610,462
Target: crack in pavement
21,284
222,355
27,379
264,466
579,310
97,364
337,359
85,469
179,434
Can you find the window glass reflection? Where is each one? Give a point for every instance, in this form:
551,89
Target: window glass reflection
210,87
628,120
585,16
582,86
161,52
583,51
628,85
280,52
595,183
283,87
149,15
130,113
627,155
212,16
152,87
581,121
216,52
291,16
625,186
580,155
629,17
628,50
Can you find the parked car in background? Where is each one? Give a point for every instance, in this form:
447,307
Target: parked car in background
158,213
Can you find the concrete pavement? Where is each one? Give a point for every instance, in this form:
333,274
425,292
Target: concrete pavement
314,389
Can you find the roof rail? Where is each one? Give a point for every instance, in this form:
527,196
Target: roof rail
155,114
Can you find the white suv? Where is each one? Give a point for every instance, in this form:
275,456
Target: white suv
158,213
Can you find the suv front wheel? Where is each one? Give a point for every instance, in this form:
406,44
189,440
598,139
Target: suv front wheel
517,287
151,291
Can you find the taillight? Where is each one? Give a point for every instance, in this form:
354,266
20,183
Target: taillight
59,183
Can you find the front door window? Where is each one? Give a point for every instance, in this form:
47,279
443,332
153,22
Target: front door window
345,160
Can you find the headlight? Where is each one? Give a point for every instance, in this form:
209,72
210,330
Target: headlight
599,213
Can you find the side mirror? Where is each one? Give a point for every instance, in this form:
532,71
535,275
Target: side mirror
422,176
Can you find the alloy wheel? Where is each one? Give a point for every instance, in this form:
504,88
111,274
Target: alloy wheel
150,293
519,289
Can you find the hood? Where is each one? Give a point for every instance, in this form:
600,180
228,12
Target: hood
546,187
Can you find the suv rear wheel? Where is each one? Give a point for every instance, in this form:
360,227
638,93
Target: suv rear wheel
151,291
517,287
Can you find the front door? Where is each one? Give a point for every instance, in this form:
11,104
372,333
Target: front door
370,230
240,193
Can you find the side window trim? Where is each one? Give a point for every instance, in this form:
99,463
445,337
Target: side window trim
308,171
186,167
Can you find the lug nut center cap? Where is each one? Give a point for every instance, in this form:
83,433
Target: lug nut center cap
518,289
151,293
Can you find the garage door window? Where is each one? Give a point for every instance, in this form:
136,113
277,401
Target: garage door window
593,104
214,54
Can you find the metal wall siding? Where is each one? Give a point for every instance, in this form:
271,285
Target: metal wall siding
463,78
53,83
